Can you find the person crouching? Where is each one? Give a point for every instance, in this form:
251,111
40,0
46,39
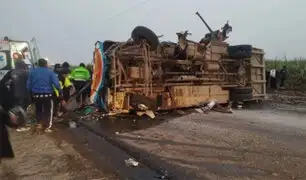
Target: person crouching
66,87
40,83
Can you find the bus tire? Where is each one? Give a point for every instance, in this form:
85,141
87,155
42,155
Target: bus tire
142,32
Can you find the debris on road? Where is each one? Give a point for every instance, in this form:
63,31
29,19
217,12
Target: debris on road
149,113
199,110
181,112
288,98
131,162
209,106
72,124
142,107
214,106
222,109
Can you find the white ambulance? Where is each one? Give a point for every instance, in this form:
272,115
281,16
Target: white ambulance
15,50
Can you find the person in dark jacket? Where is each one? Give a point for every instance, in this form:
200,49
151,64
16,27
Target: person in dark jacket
20,77
41,84
6,119
283,76
66,65
16,84
57,67
6,150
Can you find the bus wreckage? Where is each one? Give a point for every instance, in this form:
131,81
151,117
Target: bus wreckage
145,74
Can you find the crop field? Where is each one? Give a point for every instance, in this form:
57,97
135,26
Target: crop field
296,72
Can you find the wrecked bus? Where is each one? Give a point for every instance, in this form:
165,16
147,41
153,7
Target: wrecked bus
143,73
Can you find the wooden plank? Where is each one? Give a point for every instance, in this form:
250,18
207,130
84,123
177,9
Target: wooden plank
258,66
257,73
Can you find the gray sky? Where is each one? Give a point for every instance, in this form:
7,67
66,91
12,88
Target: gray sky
67,29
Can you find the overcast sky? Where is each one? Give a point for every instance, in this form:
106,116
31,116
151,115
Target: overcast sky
67,29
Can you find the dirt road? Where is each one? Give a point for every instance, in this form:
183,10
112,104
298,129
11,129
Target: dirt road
41,157
249,144
265,143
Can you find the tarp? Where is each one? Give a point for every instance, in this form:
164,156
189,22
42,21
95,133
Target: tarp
99,74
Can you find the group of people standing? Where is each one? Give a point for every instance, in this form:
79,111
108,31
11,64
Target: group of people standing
51,89
46,88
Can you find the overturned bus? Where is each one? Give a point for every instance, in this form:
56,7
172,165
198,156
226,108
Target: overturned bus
145,73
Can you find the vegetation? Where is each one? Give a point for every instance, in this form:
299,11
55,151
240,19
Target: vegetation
296,72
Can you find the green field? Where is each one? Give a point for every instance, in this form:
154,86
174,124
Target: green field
296,72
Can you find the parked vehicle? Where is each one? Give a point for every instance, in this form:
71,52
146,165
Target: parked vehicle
15,50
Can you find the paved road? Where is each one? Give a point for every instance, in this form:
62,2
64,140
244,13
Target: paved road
42,157
266,143
248,144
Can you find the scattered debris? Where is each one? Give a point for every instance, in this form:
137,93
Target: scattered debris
142,107
214,106
199,110
205,108
147,112
88,110
150,114
23,129
131,162
288,98
239,105
140,113
209,106
72,124
222,109
274,174
181,112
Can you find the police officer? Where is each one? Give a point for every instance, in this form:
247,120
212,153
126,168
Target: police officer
80,76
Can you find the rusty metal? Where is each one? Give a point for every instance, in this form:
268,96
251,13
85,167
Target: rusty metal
208,27
137,69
